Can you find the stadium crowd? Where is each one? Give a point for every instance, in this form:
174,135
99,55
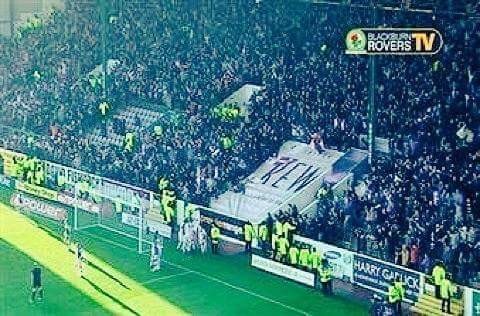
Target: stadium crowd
420,202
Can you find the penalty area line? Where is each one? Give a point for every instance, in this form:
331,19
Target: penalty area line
166,277
206,276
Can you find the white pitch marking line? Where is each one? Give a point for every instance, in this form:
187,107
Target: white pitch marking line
240,289
208,277
88,226
166,277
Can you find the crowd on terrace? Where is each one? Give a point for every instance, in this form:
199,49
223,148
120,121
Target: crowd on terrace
420,202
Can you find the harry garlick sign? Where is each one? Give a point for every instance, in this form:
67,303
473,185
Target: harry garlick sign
379,275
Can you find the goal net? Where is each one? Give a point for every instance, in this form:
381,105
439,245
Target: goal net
120,219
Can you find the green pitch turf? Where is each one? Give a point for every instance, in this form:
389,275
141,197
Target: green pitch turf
15,289
197,284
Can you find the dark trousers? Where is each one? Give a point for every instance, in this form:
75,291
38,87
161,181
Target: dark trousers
437,291
327,287
248,246
446,301
398,308
214,247
264,245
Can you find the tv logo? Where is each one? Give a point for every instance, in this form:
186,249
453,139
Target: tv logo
424,41
393,41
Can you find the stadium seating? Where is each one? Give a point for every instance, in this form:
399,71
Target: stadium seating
135,119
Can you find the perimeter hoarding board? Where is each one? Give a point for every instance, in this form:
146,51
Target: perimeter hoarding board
280,269
26,203
378,275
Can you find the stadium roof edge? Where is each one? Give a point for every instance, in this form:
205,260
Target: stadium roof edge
391,8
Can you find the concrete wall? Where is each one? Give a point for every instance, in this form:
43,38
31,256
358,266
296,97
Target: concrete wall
15,11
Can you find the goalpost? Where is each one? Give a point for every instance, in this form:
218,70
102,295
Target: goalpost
96,205
94,209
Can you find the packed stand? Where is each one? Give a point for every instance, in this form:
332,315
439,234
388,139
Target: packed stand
420,202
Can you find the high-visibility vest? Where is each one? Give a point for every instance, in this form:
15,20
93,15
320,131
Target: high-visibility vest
129,139
255,231
438,274
168,196
169,212
287,227
118,206
274,241
446,289
283,245
83,186
162,184
278,228
31,164
293,255
325,274
392,294
227,142
103,107
18,169
61,180
30,176
304,256
248,232
39,177
263,232
215,234
400,289
314,259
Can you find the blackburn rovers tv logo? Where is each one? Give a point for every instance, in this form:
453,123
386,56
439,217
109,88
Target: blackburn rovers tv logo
356,41
394,41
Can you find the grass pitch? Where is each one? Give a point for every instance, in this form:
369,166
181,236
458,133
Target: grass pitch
118,281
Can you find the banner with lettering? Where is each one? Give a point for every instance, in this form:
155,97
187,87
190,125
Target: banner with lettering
283,270
29,204
36,190
378,275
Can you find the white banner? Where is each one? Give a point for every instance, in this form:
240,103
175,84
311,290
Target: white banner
282,270
26,203
154,226
340,259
